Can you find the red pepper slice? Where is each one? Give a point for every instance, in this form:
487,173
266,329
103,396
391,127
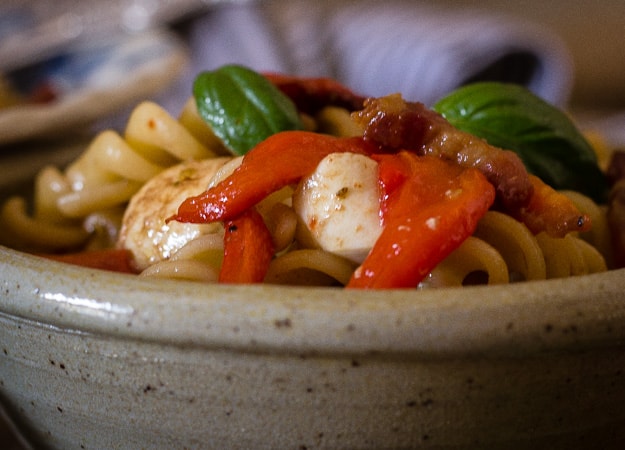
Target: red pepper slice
282,159
426,216
114,260
248,249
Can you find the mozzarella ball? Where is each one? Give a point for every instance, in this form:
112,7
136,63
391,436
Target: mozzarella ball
144,231
339,205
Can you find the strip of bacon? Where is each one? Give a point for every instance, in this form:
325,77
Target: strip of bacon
395,124
551,211
312,94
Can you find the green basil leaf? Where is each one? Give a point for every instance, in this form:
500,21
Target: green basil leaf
545,138
242,107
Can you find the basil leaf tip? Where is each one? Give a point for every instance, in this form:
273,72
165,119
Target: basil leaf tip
243,107
545,138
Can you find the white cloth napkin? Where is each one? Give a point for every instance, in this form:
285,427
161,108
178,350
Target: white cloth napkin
376,48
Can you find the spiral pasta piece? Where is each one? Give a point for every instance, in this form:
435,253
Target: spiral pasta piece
38,235
568,256
593,259
151,128
191,120
516,244
309,267
208,248
599,235
86,201
475,261
282,225
108,158
50,184
189,270
198,260
337,121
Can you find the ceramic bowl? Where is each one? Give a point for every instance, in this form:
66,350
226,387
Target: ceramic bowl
93,360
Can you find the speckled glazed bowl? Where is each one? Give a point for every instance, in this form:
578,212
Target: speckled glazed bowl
93,359
96,360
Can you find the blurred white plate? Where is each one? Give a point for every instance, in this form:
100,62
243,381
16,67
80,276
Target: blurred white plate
31,31
95,79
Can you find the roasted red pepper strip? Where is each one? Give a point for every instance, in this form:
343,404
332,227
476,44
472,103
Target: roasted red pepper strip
278,161
551,211
426,217
312,94
114,260
248,249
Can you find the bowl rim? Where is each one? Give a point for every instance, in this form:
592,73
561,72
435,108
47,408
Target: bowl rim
530,317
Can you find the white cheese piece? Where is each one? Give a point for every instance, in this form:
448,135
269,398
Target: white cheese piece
144,231
339,204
